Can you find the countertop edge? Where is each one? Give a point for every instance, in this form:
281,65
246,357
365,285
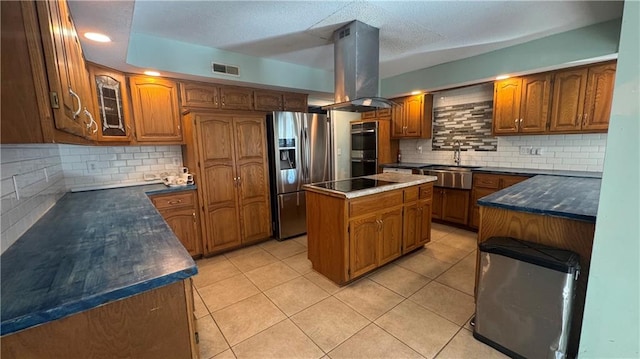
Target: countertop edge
551,213
415,181
43,317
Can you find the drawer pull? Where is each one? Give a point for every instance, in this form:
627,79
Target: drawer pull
175,202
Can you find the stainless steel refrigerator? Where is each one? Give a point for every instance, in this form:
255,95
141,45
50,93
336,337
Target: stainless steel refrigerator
299,153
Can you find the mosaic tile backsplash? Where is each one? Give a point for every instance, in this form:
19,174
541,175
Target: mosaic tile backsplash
469,123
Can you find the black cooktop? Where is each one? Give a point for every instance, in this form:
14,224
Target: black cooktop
353,184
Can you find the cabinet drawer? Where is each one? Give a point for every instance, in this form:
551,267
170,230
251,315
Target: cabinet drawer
486,181
508,181
174,200
410,194
375,202
426,191
384,112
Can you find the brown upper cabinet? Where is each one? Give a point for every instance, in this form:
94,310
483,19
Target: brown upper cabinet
156,111
111,104
521,104
266,100
44,77
412,116
193,94
236,98
582,99
296,102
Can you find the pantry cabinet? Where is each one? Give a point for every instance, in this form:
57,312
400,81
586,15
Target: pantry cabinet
156,111
180,211
521,104
582,99
231,162
412,116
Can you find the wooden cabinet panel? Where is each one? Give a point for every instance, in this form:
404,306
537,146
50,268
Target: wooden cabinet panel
424,221
485,184
534,103
155,109
234,173
180,211
363,245
199,95
368,204
506,105
599,95
267,100
111,104
521,104
184,224
391,235
455,205
568,100
296,102
368,115
410,231
412,116
437,203
236,98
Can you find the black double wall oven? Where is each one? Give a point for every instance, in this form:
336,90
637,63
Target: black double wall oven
364,148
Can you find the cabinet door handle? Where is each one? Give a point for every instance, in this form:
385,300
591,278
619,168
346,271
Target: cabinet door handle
194,217
516,123
91,121
75,95
579,119
222,100
239,181
585,119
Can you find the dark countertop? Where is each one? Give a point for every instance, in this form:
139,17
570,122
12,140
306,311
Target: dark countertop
89,249
558,196
534,172
504,170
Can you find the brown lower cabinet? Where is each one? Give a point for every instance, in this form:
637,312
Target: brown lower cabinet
180,211
158,323
348,238
451,205
485,184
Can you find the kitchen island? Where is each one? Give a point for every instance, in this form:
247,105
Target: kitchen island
101,273
552,210
357,225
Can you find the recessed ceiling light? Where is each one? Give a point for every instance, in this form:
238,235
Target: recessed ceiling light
97,37
502,77
416,92
152,73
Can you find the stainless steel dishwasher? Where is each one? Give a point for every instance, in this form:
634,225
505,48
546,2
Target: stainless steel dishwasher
525,298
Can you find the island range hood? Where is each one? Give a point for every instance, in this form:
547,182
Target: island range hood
356,66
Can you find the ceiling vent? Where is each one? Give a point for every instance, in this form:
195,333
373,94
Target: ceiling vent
225,69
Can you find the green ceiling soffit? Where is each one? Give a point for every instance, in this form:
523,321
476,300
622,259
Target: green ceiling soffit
180,57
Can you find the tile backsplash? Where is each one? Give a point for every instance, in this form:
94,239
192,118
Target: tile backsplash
94,166
579,152
39,178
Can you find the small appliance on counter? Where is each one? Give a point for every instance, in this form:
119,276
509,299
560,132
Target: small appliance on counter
299,153
174,179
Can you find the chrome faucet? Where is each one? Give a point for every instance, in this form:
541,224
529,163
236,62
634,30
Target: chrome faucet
456,153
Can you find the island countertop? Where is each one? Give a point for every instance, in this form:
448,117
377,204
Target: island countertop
565,197
396,181
89,249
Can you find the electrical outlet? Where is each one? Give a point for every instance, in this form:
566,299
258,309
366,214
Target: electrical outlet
525,150
537,151
92,167
339,151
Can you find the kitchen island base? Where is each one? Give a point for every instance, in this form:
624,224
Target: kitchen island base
350,237
158,323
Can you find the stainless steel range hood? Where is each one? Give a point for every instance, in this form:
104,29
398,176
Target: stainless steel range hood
356,66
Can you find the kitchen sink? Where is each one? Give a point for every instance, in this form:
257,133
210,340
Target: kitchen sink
450,176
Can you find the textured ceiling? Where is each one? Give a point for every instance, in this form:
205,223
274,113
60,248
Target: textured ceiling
413,34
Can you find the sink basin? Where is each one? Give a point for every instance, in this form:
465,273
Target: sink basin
450,176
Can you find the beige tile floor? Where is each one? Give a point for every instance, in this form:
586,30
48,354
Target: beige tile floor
265,301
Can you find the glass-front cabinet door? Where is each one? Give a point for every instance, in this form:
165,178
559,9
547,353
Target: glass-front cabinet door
111,101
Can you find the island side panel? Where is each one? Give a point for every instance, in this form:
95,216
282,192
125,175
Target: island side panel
327,235
573,235
152,324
